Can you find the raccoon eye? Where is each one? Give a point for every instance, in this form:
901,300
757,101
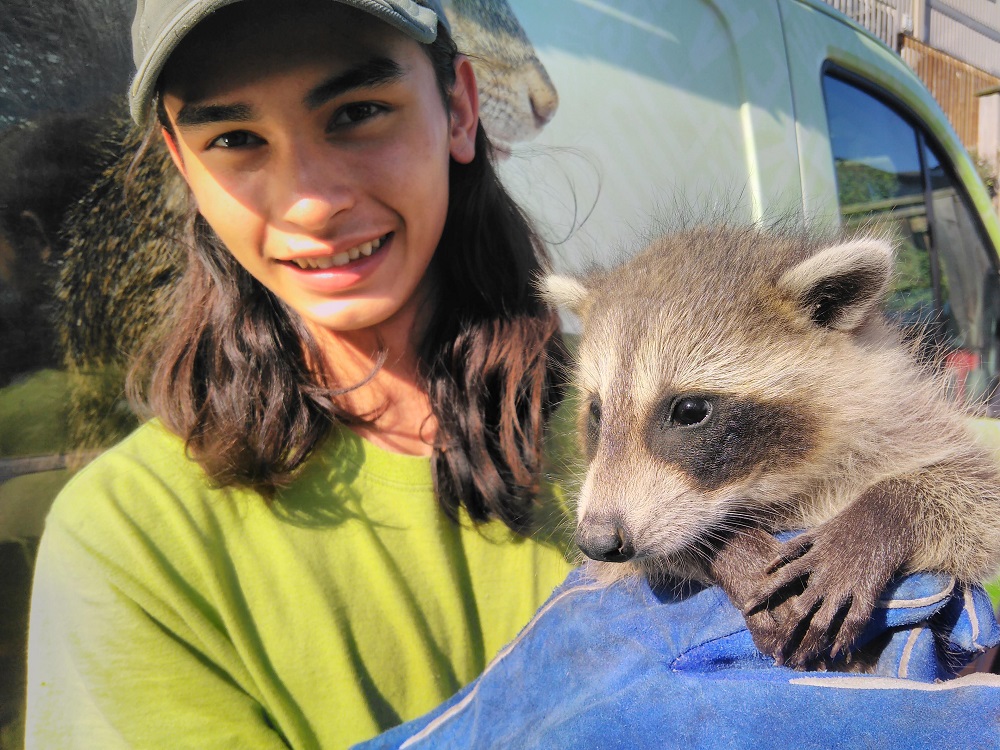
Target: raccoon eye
594,416
592,434
689,411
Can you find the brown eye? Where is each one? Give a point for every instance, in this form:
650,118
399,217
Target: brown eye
236,139
356,112
689,411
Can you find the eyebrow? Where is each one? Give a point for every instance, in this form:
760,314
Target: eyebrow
202,114
377,71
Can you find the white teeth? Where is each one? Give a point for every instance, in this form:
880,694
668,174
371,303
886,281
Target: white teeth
313,264
340,259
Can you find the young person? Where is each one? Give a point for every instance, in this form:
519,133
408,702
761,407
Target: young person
336,517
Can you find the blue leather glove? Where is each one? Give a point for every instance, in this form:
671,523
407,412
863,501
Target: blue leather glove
628,666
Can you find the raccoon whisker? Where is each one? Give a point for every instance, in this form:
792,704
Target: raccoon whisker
740,521
720,534
660,576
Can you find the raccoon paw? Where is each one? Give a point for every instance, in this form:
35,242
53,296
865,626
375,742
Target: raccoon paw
768,629
738,564
821,590
738,567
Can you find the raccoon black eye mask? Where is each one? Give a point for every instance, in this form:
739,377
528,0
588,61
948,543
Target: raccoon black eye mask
715,439
737,383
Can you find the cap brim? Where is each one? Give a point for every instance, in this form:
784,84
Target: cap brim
416,21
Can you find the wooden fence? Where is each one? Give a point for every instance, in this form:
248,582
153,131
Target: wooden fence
953,83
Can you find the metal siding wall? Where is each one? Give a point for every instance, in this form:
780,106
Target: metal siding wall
887,18
967,44
884,18
986,12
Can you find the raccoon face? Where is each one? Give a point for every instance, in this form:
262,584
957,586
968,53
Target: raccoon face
690,469
703,358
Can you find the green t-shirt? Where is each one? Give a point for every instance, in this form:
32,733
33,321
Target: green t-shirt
169,613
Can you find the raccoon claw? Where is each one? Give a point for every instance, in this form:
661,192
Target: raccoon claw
813,596
767,634
791,551
821,589
833,628
792,639
784,578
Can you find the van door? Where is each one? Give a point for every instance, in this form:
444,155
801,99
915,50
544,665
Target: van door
878,153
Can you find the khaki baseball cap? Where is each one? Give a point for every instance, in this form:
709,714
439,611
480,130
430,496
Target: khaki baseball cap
160,25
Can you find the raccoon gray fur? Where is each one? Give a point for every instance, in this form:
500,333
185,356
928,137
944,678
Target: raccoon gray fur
737,382
123,255
45,166
518,97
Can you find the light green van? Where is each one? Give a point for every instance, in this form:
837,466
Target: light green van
627,117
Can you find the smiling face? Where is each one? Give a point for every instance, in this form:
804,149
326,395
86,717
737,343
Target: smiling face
317,146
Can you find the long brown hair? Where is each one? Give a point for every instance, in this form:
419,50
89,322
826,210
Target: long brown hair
234,372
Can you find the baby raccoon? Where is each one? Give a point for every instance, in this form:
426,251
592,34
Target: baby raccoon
739,382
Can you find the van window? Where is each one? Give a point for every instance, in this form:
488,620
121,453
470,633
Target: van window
892,179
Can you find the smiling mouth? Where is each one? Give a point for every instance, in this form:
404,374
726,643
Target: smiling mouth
325,262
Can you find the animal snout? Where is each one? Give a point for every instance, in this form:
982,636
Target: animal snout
605,539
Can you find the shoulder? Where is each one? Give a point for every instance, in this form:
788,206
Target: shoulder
144,486
149,456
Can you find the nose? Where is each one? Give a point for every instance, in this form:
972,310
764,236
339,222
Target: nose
315,188
544,100
606,538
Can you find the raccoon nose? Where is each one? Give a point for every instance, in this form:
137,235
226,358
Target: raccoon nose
607,540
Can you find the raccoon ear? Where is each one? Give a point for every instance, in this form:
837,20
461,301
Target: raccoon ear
564,291
839,286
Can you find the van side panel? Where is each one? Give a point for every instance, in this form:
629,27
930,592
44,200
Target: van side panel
667,112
